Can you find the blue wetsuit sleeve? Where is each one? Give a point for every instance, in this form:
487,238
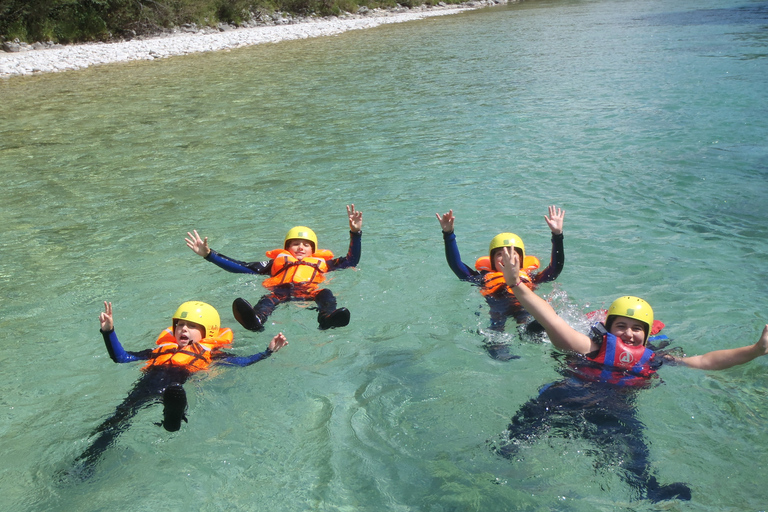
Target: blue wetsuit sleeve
353,254
238,267
229,359
556,262
453,257
116,351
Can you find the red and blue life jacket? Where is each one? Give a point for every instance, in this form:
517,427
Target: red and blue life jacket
619,363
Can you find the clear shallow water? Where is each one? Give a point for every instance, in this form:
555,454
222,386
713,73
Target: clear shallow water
645,120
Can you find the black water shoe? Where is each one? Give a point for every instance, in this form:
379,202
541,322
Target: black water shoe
336,318
174,407
499,351
246,316
675,491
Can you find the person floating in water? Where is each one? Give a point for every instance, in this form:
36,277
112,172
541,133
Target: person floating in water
295,273
193,343
606,369
487,273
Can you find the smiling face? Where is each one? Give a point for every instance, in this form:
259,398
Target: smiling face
628,330
299,248
187,332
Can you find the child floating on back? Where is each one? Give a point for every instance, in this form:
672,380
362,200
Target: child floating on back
193,343
296,271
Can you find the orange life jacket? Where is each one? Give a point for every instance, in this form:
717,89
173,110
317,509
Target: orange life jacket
493,281
194,357
286,269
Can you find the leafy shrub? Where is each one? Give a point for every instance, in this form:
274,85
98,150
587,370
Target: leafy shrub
68,21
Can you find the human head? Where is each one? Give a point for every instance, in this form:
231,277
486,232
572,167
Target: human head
301,233
201,314
631,307
505,240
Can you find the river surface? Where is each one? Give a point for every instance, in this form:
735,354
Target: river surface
647,121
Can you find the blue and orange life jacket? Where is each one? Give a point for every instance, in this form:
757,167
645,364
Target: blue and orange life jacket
286,269
194,356
493,281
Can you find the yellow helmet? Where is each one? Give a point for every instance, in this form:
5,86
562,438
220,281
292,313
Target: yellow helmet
301,233
632,307
507,240
201,314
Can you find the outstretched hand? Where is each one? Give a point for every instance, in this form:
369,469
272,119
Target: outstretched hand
555,220
355,219
197,244
446,221
105,318
277,343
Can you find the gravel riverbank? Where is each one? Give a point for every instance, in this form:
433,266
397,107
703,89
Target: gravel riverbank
185,40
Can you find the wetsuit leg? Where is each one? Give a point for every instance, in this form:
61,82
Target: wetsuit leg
174,407
147,390
536,418
603,415
618,435
254,317
498,320
498,349
267,304
534,328
328,315
106,434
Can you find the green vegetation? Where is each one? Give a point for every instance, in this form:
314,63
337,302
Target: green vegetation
70,21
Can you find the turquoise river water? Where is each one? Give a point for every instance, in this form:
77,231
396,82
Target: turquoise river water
647,121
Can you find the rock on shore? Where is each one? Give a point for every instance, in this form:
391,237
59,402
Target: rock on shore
49,58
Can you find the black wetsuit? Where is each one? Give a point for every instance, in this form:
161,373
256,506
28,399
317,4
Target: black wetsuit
155,384
602,412
324,298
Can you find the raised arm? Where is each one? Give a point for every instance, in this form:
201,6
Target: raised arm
562,335
355,219
446,221
555,220
200,247
278,342
105,318
722,359
452,255
115,350
197,244
557,255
